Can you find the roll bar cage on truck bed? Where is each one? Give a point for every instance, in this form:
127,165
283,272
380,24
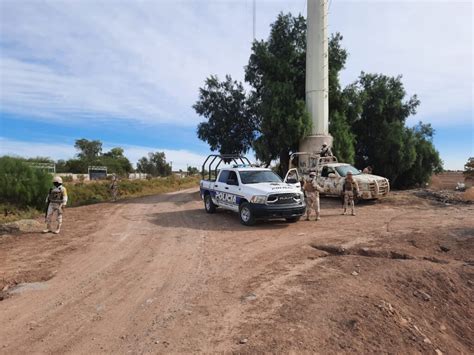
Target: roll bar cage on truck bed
226,158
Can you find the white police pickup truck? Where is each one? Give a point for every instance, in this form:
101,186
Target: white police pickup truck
255,193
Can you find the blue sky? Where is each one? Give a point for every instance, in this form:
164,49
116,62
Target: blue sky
128,72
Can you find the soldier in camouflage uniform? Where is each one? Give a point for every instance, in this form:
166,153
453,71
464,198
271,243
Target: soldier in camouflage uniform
325,151
56,200
312,189
114,187
350,188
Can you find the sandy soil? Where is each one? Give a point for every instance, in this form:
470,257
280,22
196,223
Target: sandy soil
159,275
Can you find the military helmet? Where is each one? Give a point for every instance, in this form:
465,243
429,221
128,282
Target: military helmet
349,173
312,173
325,144
58,179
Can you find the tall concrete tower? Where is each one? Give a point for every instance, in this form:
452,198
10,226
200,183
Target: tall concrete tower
317,76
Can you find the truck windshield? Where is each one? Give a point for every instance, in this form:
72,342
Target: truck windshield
343,170
255,177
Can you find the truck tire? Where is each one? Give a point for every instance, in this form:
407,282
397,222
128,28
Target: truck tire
246,215
292,219
209,206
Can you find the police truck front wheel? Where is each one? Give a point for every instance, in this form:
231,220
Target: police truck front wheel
208,204
246,215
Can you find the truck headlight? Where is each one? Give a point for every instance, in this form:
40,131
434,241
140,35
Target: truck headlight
258,199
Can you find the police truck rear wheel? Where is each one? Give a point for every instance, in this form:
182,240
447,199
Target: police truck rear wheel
208,204
246,215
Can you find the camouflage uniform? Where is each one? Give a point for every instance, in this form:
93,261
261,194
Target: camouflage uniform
326,151
312,189
350,188
114,188
56,199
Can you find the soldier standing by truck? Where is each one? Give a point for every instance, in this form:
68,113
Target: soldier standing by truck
312,189
350,188
56,200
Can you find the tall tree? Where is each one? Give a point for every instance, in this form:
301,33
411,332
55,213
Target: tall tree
276,71
427,159
155,165
116,161
469,169
383,141
231,122
339,105
88,150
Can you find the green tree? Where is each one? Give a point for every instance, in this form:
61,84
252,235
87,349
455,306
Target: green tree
76,166
427,159
155,165
116,161
88,150
339,104
382,140
61,166
469,169
21,184
231,123
344,139
276,72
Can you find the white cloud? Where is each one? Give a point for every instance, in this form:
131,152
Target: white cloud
429,43
180,158
144,60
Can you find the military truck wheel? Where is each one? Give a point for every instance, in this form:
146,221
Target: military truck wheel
292,219
208,204
246,215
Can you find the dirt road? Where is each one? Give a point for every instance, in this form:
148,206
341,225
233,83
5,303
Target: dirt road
159,275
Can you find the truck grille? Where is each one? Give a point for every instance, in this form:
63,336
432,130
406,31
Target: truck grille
283,199
383,187
379,188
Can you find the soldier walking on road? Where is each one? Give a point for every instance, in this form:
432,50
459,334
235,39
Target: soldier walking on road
312,189
350,188
114,187
56,200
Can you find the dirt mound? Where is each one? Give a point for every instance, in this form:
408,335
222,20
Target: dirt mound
24,225
362,299
445,196
469,194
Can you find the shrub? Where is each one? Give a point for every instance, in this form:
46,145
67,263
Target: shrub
22,185
67,178
99,191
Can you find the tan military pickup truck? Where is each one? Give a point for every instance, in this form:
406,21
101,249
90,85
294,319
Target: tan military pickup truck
330,174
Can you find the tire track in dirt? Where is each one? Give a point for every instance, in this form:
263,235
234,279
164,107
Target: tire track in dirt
107,288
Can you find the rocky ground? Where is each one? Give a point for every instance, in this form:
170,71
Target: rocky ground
158,274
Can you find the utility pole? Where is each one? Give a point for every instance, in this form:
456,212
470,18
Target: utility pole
317,76
254,18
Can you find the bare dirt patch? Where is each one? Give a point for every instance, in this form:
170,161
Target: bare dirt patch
158,274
